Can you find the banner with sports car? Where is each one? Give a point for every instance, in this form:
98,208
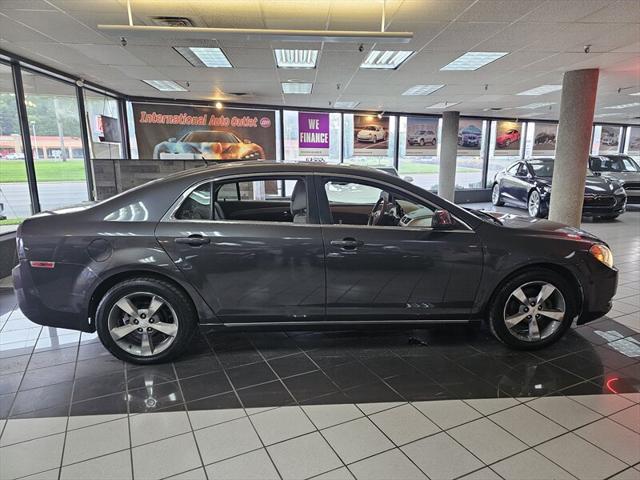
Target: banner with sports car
422,136
469,136
174,132
544,138
508,136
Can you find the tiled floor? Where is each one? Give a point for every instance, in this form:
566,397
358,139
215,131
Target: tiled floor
447,402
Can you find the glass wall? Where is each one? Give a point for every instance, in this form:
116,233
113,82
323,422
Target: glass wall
291,138
54,127
420,169
103,125
15,203
375,150
471,155
606,139
505,146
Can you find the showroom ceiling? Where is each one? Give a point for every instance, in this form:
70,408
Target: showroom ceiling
543,39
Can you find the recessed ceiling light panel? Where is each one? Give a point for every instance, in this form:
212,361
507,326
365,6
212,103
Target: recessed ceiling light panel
286,58
211,57
386,59
541,90
165,85
422,89
474,60
297,88
624,105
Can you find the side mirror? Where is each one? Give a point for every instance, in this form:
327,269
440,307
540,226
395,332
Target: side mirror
172,140
408,179
246,140
442,220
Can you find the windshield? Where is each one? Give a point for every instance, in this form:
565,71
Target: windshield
542,168
613,164
210,137
369,127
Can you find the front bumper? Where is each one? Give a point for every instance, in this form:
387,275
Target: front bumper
598,290
605,205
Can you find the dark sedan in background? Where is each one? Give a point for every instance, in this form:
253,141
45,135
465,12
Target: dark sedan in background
248,244
621,168
527,184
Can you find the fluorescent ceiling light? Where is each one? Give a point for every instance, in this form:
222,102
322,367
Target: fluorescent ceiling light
211,57
422,89
474,60
635,94
165,85
624,105
532,106
296,58
443,104
386,59
345,104
296,88
541,90
600,115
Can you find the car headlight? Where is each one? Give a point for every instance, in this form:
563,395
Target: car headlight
619,191
602,253
251,156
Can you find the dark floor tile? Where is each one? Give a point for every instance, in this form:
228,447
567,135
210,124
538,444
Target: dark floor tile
14,364
165,397
476,388
10,383
96,367
584,364
5,404
292,365
415,386
239,357
91,350
616,382
537,380
350,375
329,399
273,344
53,357
484,366
373,392
386,365
584,388
92,387
309,385
249,375
611,357
55,411
43,397
204,385
607,324
631,372
330,357
196,364
270,394
107,405
7,352
140,376
41,377
224,400
588,333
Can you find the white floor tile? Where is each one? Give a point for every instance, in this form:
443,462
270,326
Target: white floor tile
580,458
391,464
149,427
371,408
628,474
82,421
337,474
482,474
31,457
356,439
207,418
613,438
197,474
603,404
447,413
634,396
281,424
527,424
116,465
227,440
95,441
254,465
630,418
441,457
404,424
324,416
487,406
48,475
165,457
486,440
303,457
21,429
564,411
530,465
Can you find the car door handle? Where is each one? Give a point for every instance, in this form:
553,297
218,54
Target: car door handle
347,243
193,240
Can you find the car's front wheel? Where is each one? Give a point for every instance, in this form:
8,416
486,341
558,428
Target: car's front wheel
496,197
145,320
533,309
534,204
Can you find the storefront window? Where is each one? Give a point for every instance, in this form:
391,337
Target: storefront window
369,140
606,139
419,155
15,203
471,145
292,140
505,146
54,127
103,125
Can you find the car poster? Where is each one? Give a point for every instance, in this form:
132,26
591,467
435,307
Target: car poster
469,136
370,136
634,141
609,140
422,136
313,134
508,138
544,138
172,132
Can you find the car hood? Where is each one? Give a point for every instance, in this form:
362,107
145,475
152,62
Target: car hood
593,185
623,176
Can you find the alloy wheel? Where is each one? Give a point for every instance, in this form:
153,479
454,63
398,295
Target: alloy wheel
143,324
495,194
534,204
534,311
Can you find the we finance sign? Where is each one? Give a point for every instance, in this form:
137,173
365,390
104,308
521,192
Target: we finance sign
313,134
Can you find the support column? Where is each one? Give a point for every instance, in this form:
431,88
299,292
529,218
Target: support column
577,105
448,155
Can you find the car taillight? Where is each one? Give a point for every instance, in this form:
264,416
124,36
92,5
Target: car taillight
42,264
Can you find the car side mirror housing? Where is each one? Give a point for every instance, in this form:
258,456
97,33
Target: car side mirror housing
172,140
442,220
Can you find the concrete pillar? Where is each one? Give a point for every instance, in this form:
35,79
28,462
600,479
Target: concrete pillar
577,105
448,155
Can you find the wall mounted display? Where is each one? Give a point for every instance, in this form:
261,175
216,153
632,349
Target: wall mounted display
313,134
508,138
544,138
370,136
469,136
609,140
187,132
107,129
634,141
422,136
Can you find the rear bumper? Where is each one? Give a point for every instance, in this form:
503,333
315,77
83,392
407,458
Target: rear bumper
598,291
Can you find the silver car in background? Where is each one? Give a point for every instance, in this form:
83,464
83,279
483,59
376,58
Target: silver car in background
622,168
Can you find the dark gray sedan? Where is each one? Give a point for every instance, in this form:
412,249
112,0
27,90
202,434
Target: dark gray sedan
254,244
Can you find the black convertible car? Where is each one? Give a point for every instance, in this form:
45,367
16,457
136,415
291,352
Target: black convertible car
258,243
527,184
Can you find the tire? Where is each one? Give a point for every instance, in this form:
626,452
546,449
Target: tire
421,142
534,207
609,217
495,195
504,302
146,344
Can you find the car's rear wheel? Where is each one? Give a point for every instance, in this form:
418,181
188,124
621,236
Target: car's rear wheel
145,320
496,197
533,309
534,204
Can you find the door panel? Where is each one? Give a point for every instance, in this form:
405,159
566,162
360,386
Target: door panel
352,214
257,210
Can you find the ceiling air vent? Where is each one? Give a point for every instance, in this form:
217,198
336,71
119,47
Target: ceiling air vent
172,21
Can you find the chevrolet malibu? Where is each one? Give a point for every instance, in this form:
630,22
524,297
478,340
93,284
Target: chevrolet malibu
253,244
